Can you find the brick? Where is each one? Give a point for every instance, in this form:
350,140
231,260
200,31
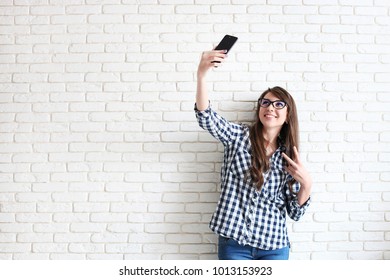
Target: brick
14,248
376,246
53,227
54,207
7,218
365,255
89,207
33,217
380,206
376,226
126,227
331,237
70,217
169,186
166,207
68,256
140,157
35,237
49,248
71,237
366,236
335,9
124,248
160,248
330,217
183,218
128,208
329,256
346,246
105,197
202,249
308,247
351,207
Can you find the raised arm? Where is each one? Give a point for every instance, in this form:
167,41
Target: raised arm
208,119
208,60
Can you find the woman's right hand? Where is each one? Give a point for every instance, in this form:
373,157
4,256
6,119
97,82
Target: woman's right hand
210,59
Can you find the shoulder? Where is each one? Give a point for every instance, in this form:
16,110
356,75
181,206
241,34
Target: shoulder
242,139
242,130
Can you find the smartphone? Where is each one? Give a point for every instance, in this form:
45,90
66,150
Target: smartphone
226,43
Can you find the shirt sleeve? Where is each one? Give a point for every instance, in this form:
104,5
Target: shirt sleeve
217,126
294,210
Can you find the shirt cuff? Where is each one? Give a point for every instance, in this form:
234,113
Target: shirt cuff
204,113
304,205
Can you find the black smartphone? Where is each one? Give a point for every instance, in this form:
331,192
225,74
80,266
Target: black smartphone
226,43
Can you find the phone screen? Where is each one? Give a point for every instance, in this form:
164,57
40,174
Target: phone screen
226,43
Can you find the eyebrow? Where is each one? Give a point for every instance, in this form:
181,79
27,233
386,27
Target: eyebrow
273,100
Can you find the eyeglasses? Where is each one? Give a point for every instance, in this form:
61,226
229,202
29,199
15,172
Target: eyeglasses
278,104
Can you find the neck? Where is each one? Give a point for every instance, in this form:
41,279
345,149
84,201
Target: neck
271,137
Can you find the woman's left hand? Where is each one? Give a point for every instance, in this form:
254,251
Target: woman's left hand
297,170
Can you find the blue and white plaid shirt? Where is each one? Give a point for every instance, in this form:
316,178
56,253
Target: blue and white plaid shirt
251,217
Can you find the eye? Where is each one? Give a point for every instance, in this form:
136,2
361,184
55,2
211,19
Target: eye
280,104
264,102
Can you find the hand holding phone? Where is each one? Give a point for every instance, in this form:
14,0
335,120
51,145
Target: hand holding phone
208,58
226,43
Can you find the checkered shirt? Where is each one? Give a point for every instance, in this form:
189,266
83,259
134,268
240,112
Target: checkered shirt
251,217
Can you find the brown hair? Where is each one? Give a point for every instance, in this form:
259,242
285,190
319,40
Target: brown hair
288,137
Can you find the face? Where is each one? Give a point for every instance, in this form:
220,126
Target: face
270,117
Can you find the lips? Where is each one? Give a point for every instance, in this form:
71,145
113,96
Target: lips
270,116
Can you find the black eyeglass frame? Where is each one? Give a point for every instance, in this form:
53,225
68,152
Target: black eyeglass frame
271,102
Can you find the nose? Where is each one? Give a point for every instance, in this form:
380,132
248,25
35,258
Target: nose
270,108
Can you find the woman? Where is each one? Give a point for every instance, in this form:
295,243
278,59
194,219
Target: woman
262,176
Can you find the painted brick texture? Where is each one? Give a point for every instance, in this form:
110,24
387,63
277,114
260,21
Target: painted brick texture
100,153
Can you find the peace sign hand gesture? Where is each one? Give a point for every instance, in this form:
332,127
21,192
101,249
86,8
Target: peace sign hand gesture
300,174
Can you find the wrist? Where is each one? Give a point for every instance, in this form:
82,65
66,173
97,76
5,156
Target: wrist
201,76
306,185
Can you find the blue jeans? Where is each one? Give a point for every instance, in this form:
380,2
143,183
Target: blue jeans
229,249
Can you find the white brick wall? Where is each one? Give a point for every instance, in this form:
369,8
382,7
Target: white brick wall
101,156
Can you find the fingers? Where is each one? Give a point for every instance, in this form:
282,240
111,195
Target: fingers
296,169
216,58
289,160
296,159
211,59
214,55
298,174
296,154
221,51
290,170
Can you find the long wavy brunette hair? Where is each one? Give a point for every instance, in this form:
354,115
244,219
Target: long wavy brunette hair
288,137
